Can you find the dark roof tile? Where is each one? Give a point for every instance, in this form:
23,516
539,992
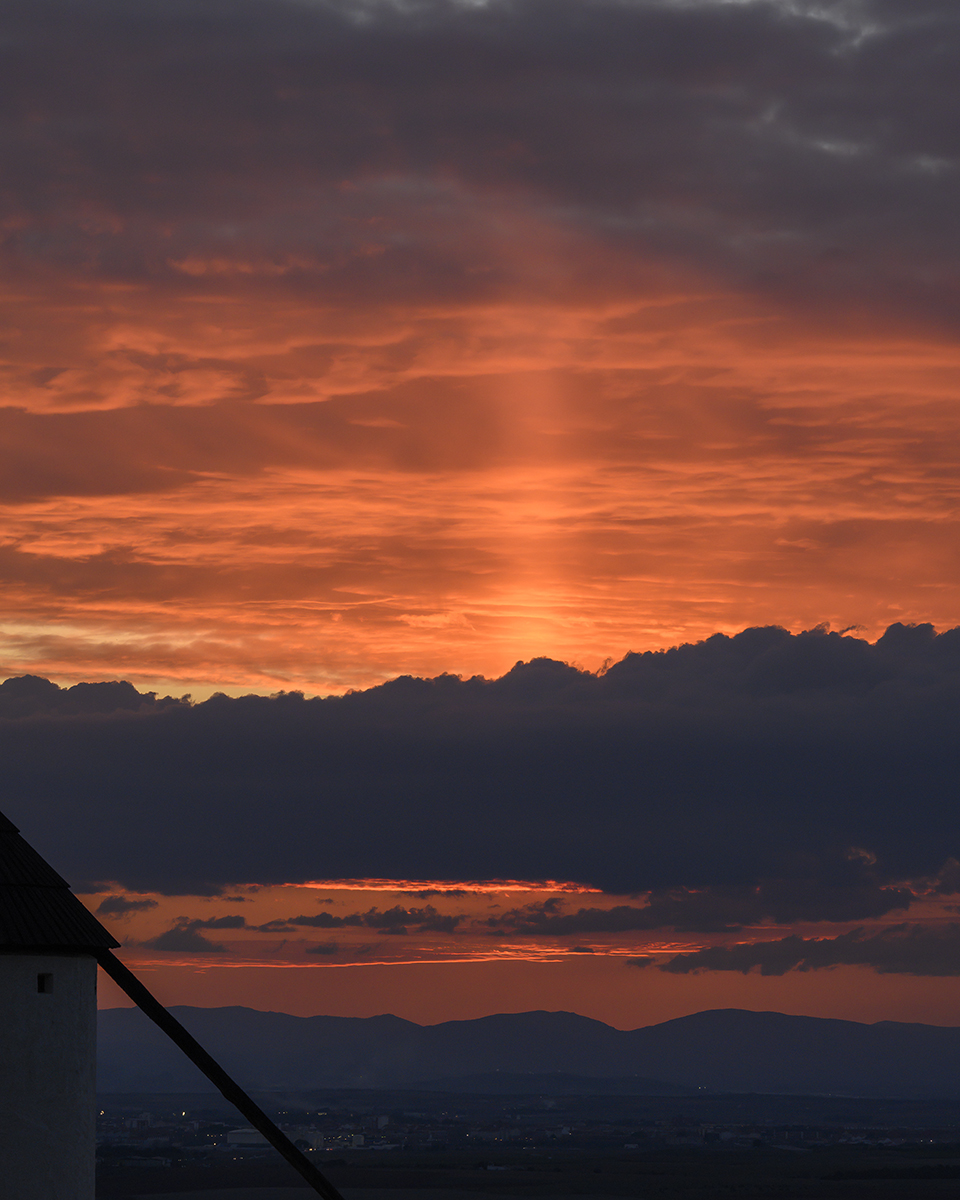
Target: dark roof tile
37,908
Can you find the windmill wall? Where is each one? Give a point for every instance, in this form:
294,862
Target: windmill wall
47,1075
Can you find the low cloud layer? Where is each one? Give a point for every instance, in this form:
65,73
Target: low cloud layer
30,695
183,938
932,950
395,920
799,777
713,909
123,907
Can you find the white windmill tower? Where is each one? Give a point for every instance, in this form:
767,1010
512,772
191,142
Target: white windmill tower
50,948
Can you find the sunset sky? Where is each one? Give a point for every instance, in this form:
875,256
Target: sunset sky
346,340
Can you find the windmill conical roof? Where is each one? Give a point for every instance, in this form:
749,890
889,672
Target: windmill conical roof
37,909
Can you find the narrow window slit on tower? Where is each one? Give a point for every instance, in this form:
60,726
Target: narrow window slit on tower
44,982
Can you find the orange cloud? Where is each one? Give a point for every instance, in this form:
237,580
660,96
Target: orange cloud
588,504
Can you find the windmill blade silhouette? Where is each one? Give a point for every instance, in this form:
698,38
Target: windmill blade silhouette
125,979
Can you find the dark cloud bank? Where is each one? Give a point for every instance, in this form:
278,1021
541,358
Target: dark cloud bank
793,774
808,150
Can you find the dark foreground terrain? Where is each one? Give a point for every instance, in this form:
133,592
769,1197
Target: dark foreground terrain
836,1173
379,1144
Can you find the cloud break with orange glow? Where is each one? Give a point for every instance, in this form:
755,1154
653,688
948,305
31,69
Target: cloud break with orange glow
240,940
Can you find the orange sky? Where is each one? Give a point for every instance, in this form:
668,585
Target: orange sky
454,490
602,988
465,972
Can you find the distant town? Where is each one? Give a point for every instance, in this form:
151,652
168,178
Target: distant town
373,1129
183,1135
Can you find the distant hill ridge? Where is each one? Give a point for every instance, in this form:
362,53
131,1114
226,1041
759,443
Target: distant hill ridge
724,1050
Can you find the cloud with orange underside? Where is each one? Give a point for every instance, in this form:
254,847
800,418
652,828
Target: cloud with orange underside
388,923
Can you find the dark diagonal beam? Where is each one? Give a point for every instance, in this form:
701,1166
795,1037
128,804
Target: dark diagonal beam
148,1003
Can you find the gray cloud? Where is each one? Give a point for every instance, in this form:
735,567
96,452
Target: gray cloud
26,695
780,901
120,906
806,151
228,922
324,948
183,937
397,920
316,921
931,950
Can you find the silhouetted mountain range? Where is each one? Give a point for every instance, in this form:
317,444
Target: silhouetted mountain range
724,1050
